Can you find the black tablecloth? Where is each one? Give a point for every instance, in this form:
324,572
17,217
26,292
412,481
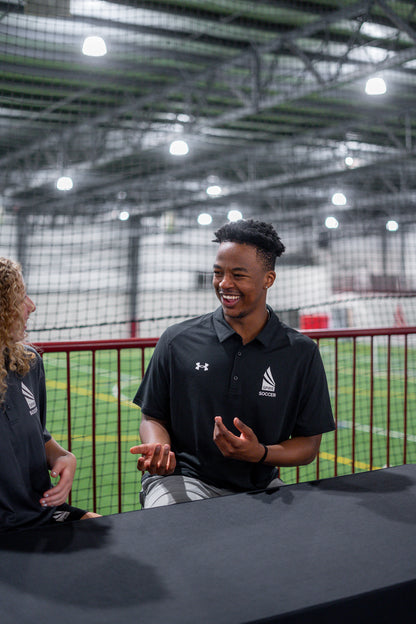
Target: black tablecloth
335,550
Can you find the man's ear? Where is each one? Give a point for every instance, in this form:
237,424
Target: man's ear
269,279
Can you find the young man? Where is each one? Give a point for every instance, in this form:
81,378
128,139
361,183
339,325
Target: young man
230,395
27,450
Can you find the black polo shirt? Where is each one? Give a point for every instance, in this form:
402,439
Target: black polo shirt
200,369
24,474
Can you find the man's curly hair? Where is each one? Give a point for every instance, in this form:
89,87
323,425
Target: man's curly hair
261,235
13,355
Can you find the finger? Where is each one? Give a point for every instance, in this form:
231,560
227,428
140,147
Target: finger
51,496
221,431
52,500
155,457
242,427
219,426
164,457
52,491
140,448
141,462
171,463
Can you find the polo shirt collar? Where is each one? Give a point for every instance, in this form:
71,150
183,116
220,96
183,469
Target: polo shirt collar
222,329
273,332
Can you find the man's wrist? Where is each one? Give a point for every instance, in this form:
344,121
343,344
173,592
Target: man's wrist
263,457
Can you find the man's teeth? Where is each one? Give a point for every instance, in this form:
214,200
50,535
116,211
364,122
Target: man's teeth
231,297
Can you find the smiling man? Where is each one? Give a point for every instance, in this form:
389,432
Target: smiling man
231,395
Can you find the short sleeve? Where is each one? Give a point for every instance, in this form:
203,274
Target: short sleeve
153,395
315,411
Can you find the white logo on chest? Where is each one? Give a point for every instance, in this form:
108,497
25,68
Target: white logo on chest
268,385
204,367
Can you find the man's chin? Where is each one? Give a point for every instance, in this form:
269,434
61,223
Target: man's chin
231,313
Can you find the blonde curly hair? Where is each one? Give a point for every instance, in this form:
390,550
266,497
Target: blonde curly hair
13,355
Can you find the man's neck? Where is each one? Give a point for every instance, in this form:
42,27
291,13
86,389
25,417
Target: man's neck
249,327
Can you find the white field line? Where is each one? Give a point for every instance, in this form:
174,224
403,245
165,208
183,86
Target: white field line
399,435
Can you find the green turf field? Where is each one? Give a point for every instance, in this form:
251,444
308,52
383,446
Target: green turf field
376,446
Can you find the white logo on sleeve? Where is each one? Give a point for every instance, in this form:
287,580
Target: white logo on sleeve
60,516
268,385
30,399
204,367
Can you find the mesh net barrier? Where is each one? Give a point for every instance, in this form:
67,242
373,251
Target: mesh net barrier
371,382
130,131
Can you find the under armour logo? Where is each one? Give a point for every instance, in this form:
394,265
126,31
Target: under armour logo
198,365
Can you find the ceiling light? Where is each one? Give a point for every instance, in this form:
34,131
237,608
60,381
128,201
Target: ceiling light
392,226
179,148
124,215
349,161
94,46
234,215
204,218
64,183
331,223
375,86
339,199
214,190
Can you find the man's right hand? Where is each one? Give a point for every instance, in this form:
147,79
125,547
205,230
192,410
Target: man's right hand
155,458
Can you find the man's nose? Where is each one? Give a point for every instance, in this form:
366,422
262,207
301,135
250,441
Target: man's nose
226,282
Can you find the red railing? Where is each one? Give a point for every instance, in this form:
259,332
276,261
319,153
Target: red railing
331,338
372,334
92,347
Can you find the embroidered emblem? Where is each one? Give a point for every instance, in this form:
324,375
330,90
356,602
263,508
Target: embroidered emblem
268,385
30,399
204,367
60,516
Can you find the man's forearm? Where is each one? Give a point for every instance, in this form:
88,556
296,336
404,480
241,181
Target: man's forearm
153,431
294,452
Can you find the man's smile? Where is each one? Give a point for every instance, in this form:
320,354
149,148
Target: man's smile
229,299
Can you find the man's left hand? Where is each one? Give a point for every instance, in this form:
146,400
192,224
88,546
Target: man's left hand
245,447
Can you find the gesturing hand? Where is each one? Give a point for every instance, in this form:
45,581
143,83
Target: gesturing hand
245,446
155,458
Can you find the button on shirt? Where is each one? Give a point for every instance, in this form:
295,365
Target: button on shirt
200,369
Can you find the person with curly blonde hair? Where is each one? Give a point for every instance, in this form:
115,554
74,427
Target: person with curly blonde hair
27,450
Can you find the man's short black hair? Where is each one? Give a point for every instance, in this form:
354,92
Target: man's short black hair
261,235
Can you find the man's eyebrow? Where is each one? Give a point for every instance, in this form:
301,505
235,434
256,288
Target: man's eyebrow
217,266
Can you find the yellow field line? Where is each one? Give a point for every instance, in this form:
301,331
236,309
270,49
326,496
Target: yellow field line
107,398
99,438
346,461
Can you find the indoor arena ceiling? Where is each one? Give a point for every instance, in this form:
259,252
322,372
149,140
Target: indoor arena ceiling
269,96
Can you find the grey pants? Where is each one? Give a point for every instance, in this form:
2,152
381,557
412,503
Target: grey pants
158,491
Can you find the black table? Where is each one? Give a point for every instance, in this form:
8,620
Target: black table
335,550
